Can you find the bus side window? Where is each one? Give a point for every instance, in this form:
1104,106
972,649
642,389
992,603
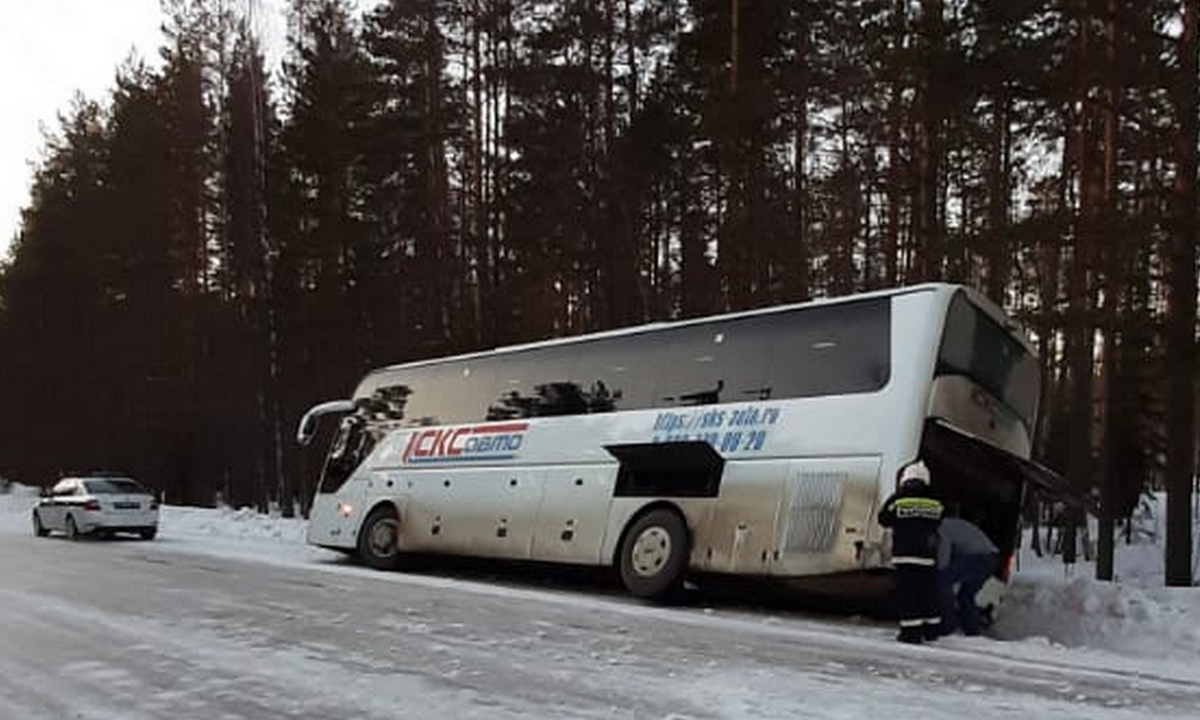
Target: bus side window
620,373
715,363
423,404
511,394
537,383
389,402
836,350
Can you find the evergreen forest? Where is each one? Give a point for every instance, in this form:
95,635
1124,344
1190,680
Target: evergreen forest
220,242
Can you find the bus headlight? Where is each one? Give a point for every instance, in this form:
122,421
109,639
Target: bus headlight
345,509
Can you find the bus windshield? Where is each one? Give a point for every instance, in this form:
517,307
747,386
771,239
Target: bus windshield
977,347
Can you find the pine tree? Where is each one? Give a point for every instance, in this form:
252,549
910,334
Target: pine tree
1180,254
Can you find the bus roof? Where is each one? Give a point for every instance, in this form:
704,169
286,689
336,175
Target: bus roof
932,287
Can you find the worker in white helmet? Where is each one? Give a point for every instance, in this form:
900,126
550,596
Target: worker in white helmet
913,513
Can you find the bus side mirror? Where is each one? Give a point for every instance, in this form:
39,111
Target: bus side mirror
308,428
308,424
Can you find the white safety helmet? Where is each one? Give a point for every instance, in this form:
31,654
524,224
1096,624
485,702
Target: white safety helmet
915,471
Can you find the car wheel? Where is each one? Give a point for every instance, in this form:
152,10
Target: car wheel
39,529
379,539
72,529
654,555
148,533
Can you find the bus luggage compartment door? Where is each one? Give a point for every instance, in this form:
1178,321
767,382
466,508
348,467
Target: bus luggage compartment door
573,515
738,533
483,512
826,515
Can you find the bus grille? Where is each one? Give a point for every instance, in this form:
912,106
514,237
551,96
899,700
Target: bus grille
816,504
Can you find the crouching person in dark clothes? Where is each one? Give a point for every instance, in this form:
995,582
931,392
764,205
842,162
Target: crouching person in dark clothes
966,559
914,513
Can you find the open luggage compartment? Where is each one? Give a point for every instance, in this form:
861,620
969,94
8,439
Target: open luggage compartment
987,485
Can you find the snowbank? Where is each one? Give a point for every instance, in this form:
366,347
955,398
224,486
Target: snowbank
1134,615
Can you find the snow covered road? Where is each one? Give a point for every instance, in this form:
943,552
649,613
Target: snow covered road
197,626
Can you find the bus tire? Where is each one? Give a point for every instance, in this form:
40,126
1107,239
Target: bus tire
379,539
654,555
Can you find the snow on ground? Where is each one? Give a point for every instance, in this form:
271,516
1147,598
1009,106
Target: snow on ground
1049,608
1134,615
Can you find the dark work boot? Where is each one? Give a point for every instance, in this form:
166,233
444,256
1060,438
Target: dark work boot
911,634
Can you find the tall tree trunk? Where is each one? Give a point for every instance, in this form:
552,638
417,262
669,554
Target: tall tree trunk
796,260
927,230
1181,309
896,174
1111,258
1080,323
998,194
473,214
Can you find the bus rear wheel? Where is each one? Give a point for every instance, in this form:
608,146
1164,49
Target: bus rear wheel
379,539
654,555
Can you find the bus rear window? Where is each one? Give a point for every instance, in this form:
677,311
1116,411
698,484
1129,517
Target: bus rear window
977,347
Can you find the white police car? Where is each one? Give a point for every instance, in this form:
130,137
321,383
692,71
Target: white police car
99,505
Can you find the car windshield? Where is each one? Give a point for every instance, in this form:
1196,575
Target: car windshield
113,486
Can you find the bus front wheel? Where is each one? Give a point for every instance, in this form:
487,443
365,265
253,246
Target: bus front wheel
379,539
654,555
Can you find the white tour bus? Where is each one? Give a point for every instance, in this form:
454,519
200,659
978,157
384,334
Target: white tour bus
755,443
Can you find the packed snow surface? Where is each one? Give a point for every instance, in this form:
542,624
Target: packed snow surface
1053,614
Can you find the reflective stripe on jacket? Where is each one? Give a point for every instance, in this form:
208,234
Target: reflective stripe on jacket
914,514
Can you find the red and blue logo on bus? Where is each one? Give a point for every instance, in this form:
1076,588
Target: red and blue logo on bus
465,444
